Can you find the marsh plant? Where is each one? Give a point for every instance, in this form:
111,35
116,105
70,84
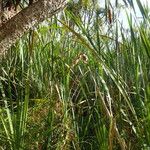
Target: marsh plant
79,81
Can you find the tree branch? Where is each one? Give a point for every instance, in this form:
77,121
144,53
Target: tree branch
14,28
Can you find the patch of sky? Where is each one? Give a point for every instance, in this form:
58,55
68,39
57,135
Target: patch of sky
122,9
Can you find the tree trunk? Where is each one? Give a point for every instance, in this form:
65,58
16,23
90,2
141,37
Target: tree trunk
14,28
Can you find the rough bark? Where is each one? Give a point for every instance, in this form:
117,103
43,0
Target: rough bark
14,28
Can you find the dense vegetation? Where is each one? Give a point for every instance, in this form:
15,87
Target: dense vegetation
78,81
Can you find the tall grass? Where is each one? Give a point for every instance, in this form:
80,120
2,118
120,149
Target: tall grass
74,85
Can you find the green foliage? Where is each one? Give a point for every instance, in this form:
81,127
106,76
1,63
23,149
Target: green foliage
78,82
